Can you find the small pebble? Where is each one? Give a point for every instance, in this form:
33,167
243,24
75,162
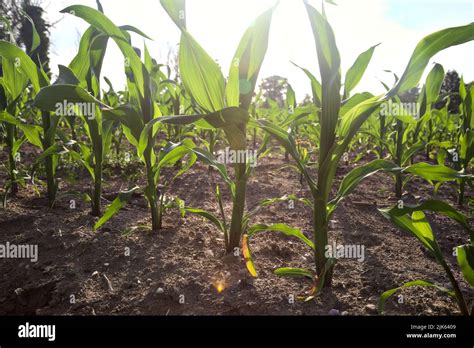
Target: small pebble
334,312
371,307
209,254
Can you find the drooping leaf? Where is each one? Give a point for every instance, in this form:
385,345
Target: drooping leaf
294,272
426,49
283,228
248,256
417,226
434,206
351,180
117,204
435,172
383,298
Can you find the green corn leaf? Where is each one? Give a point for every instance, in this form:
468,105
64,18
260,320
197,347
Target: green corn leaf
219,119
417,226
23,63
357,70
55,149
435,172
353,101
408,154
283,228
105,25
291,97
434,206
201,75
431,89
207,215
294,273
135,30
329,64
176,9
50,98
351,180
315,86
81,65
35,40
383,298
66,77
33,134
129,118
288,142
210,160
426,49
357,115
177,152
17,145
84,160
465,257
117,204
247,61
8,118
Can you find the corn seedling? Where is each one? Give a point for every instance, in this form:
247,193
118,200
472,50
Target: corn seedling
414,221
339,125
224,106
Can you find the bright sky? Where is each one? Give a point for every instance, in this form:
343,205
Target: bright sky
219,24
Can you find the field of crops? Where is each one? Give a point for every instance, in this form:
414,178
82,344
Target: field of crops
189,193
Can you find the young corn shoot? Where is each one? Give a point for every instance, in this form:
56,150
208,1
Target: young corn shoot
224,106
412,219
337,131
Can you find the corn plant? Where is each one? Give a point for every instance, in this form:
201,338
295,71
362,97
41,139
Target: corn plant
412,219
465,148
139,117
223,106
19,72
337,131
83,75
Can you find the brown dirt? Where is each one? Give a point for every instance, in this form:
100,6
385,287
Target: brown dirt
187,256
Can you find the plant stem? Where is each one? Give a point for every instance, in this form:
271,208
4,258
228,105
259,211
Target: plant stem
320,225
462,186
98,154
11,159
398,160
48,162
238,207
459,296
150,191
97,189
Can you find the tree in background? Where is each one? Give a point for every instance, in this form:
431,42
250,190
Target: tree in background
274,88
41,54
451,86
15,25
410,96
